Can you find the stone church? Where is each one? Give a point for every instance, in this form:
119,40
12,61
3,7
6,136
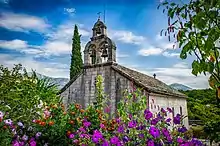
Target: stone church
100,59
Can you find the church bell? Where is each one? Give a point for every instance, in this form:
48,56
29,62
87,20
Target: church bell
104,53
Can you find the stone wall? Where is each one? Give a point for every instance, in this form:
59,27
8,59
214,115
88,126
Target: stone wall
82,91
179,105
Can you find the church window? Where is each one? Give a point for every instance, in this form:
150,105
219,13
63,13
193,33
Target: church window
181,110
118,91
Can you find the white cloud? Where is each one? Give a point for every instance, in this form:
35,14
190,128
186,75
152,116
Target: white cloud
178,73
13,44
126,37
56,47
168,54
69,10
22,22
150,51
54,69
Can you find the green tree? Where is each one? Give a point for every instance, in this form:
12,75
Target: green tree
195,27
22,95
76,57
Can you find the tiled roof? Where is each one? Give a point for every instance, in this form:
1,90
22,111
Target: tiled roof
151,84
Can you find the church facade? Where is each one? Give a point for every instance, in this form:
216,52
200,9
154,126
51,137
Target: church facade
100,59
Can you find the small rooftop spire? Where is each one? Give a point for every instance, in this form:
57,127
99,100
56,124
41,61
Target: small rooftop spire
99,15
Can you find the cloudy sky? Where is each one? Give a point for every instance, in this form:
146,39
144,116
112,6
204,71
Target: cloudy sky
37,34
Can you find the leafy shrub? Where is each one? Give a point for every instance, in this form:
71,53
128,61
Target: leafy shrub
198,132
22,95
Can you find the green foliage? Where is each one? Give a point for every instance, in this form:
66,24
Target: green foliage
195,26
21,94
202,105
198,132
76,57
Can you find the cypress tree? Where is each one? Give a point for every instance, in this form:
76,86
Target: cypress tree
76,57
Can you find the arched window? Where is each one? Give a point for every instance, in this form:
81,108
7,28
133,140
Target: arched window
93,56
118,91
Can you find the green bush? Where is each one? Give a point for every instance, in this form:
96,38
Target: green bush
198,132
22,95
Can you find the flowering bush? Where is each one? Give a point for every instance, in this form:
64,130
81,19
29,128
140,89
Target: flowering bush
133,124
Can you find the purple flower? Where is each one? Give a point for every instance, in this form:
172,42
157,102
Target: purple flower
177,119
120,129
141,135
105,143
71,136
196,142
96,136
102,126
179,140
33,142
8,122
132,124
82,129
118,120
168,120
154,121
182,129
150,142
114,140
163,110
24,137
38,134
1,115
165,132
169,110
20,124
130,116
154,132
148,114
125,138
86,124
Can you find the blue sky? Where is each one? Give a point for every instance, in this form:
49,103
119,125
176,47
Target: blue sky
37,34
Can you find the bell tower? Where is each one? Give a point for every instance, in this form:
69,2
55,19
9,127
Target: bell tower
100,49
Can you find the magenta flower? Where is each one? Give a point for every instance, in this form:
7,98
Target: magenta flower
71,136
86,124
148,114
15,143
179,140
150,142
96,136
82,129
114,140
107,109
120,129
33,142
105,143
154,132
132,124
102,126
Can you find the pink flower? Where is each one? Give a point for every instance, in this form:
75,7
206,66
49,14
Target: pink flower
71,136
15,143
46,113
102,126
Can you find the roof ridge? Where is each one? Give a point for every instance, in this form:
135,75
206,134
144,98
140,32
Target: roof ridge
150,80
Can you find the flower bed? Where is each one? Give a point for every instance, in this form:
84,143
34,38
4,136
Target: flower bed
133,124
